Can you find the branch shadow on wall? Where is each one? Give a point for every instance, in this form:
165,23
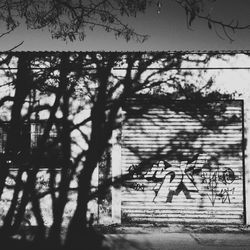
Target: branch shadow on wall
194,146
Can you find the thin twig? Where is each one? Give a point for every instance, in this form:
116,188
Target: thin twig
18,45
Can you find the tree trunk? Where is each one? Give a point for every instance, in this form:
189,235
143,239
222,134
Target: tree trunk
4,170
23,85
14,141
8,220
60,202
78,234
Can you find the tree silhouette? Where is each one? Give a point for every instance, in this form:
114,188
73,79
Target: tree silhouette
69,20
80,95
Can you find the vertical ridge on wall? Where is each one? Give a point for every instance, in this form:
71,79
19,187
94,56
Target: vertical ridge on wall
186,159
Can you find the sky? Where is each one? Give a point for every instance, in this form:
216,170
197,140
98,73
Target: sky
167,31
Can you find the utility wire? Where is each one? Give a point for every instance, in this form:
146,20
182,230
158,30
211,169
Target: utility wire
155,68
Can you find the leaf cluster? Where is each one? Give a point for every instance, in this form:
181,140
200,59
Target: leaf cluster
68,20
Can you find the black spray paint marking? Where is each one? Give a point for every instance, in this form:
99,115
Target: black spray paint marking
211,180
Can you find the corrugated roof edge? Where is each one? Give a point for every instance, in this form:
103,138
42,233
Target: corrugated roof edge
152,51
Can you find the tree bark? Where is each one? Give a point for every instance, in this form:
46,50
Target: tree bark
60,202
23,84
14,141
78,228
8,220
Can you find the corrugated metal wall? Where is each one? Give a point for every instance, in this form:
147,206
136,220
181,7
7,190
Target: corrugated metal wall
190,154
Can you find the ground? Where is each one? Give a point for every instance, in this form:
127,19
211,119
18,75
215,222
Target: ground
176,236
170,228
176,241
166,237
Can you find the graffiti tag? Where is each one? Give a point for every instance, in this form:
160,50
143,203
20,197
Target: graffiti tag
216,182
213,180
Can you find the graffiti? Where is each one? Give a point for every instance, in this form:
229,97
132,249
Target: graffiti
162,173
225,193
228,176
225,176
170,180
157,176
214,180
